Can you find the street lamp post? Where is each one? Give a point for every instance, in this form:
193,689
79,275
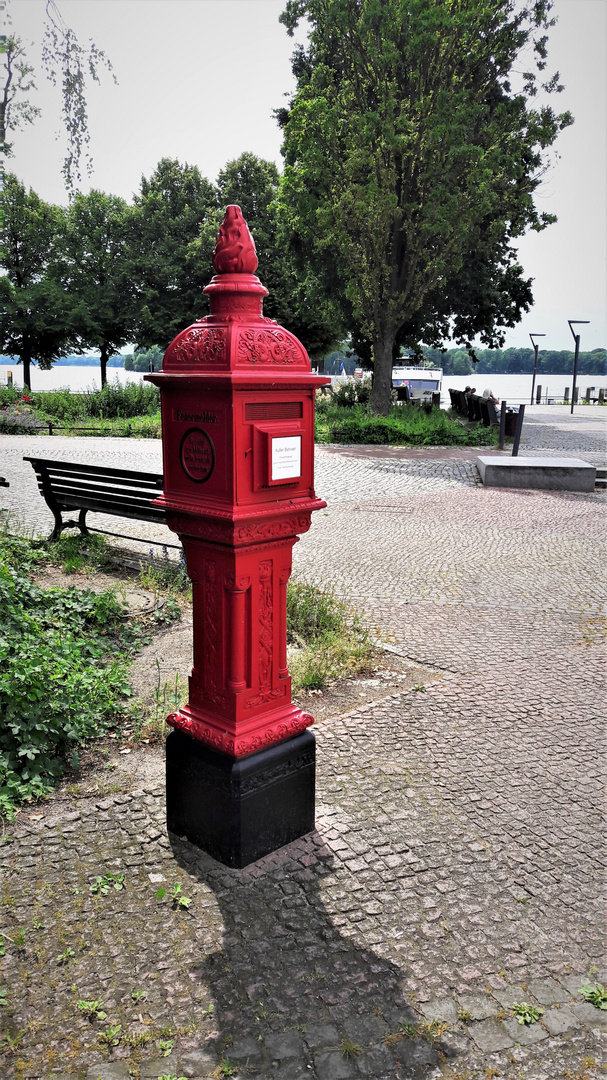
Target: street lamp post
535,351
576,338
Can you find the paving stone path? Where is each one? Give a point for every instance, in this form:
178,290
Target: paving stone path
455,869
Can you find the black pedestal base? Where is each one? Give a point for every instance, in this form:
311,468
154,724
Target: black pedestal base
239,810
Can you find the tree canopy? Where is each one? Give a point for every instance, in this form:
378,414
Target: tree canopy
411,161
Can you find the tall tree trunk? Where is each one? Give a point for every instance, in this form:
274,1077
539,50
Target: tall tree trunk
103,362
26,360
382,373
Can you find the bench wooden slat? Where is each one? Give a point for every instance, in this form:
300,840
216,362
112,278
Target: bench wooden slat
50,466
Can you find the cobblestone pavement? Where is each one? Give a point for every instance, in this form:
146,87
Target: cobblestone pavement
455,867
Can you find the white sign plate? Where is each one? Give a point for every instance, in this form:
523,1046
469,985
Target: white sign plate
286,458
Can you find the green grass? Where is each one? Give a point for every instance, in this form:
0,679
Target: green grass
404,425
333,640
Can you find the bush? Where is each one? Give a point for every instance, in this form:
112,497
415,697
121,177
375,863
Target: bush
406,424
332,639
351,393
114,401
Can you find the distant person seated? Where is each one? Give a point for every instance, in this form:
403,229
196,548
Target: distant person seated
490,397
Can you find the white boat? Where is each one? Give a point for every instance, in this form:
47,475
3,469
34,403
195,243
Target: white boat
422,383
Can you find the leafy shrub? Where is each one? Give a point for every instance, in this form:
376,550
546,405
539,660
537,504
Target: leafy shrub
63,663
351,393
115,400
9,395
333,641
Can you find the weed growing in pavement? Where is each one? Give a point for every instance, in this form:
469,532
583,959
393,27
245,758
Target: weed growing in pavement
350,1050
596,995
111,1035
179,901
225,1068
138,995
102,885
10,1042
430,1030
464,1015
93,1010
65,957
526,1013
333,640
2,997
166,1045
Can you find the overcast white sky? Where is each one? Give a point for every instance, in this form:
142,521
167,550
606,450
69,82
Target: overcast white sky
198,80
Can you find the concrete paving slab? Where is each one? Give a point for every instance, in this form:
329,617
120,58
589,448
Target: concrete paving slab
551,474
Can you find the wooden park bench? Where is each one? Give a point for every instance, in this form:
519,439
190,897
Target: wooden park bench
67,486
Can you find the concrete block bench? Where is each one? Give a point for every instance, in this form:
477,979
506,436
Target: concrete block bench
552,474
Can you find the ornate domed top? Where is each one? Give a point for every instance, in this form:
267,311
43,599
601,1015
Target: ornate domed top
236,335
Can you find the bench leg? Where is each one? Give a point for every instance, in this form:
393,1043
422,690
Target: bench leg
59,526
82,523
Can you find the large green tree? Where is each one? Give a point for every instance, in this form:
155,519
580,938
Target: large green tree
34,307
98,271
298,299
171,208
411,158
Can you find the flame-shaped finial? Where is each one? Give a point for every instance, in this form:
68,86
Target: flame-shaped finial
235,248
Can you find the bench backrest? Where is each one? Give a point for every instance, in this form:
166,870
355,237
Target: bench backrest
99,488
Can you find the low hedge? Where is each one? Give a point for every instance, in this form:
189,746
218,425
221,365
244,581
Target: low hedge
406,424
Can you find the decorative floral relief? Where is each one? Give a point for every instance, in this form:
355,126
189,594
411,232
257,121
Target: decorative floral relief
231,744
268,347
270,530
201,345
261,699
266,637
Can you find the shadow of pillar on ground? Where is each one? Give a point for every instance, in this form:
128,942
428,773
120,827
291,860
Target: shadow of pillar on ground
293,995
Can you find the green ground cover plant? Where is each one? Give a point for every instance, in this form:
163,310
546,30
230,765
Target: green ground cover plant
64,660
332,640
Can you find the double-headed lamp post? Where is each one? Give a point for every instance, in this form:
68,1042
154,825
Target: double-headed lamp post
576,338
535,351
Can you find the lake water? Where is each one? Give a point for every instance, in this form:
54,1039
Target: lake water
514,388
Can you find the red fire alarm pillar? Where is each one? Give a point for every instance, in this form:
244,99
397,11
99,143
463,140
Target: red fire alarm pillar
237,398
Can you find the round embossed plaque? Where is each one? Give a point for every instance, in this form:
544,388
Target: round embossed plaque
197,455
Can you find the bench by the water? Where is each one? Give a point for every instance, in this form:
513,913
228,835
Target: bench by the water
67,486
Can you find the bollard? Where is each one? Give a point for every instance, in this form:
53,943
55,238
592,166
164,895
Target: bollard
602,395
502,426
237,400
587,395
538,396
566,396
518,430
576,394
